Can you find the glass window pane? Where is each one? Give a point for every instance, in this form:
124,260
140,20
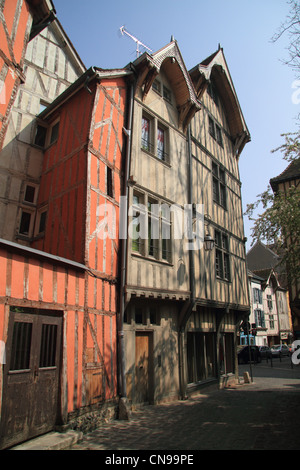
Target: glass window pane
54,133
25,223
21,343
48,345
160,144
145,133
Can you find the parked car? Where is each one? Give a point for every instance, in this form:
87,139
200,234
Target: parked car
278,350
265,351
243,354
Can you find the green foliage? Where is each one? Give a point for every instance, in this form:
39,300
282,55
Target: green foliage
279,225
291,148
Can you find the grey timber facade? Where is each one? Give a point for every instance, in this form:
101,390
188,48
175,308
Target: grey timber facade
183,306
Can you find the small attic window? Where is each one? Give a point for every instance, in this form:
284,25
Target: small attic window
211,90
167,94
156,86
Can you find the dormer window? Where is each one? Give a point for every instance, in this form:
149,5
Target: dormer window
167,94
156,86
211,90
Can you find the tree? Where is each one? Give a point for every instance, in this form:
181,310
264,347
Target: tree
291,28
279,225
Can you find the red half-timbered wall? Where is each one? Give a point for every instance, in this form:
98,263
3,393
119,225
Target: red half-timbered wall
105,156
63,184
89,364
79,275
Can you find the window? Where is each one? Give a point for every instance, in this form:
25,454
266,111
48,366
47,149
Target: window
219,135
259,318
30,193
151,228
153,316
25,223
167,94
54,133
219,185
43,106
144,315
109,182
40,135
215,131
21,344
48,345
139,316
161,144
269,301
222,256
146,141
155,138
201,356
137,244
211,127
211,90
272,323
165,221
42,222
257,295
157,86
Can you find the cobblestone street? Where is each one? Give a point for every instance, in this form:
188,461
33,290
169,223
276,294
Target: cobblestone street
260,415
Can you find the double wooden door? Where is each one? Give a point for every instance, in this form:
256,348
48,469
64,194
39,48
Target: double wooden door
30,377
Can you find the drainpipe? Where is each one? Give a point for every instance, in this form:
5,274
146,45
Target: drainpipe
124,217
187,308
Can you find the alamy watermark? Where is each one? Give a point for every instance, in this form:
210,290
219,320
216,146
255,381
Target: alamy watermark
157,221
296,353
2,353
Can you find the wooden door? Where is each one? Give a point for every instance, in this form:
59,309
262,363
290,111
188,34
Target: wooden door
142,382
31,377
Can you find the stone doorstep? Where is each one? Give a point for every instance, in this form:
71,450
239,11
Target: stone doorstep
51,441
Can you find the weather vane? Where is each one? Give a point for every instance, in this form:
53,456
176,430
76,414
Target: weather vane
136,40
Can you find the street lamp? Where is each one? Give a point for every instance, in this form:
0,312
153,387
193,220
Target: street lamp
209,242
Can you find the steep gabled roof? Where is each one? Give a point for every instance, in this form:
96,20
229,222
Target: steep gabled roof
261,257
215,69
170,60
292,172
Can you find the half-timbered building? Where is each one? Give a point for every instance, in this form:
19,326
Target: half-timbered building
288,178
111,181
183,304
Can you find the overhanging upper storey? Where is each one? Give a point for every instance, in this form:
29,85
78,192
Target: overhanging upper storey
214,69
169,60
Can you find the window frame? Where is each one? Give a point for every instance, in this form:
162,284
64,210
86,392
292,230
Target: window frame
259,316
157,248
215,130
26,234
38,232
109,182
150,143
54,125
35,195
219,185
40,137
222,256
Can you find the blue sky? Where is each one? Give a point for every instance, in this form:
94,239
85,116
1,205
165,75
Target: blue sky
244,29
